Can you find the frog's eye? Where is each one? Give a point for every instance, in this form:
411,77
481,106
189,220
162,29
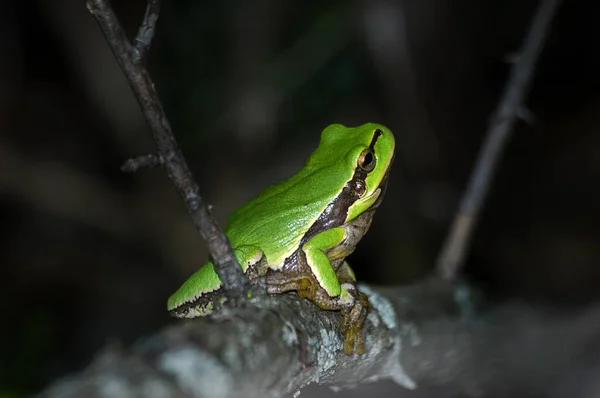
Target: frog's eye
367,160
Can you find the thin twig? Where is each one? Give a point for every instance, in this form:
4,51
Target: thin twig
142,86
510,107
143,39
145,161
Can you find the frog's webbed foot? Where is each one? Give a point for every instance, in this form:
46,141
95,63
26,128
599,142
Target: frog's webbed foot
353,317
353,306
353,320
351,303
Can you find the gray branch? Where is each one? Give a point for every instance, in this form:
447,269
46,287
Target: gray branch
509,109
425,337
129,58
147,161
145,34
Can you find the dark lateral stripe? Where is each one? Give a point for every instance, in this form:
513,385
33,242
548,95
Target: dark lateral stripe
336,212
376,135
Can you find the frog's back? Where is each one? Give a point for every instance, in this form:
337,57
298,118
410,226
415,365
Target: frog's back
277,219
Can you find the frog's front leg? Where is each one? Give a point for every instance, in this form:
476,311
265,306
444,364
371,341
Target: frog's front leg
337,288
313,270
353,306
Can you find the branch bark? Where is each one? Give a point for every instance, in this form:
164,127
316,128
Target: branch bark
420,336
147,161
130,60
509,110
145,34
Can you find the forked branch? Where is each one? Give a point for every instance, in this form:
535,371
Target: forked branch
130,59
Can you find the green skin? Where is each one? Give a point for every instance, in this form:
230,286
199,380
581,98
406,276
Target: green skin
297,233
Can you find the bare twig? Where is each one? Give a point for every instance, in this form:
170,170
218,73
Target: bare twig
142,86
509,109
145,161
273,346
146,31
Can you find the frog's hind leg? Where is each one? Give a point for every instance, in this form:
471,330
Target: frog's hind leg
278,283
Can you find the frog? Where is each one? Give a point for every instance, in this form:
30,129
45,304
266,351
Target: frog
296,234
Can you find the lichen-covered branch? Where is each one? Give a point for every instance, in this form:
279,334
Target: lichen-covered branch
509,109
129,58
419,336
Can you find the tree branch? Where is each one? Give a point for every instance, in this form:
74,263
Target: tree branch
145,34
509,110
422,334
141,84
147,161
418,334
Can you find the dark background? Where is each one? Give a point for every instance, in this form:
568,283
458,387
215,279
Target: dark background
89,255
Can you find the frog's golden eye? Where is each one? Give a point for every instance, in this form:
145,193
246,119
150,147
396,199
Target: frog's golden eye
367,160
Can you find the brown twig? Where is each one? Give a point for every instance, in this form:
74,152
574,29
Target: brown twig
130,60
509,110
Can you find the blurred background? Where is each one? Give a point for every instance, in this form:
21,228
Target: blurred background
89,255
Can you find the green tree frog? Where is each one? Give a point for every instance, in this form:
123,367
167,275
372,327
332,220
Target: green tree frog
297,233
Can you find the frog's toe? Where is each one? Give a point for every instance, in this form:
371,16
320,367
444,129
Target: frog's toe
359,345
349,304
353,319
354,339
349,343
348,295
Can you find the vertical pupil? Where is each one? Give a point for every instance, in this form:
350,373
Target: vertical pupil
368,159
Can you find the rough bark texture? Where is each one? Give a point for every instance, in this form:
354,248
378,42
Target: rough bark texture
428,336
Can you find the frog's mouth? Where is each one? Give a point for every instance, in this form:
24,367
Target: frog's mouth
380,190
